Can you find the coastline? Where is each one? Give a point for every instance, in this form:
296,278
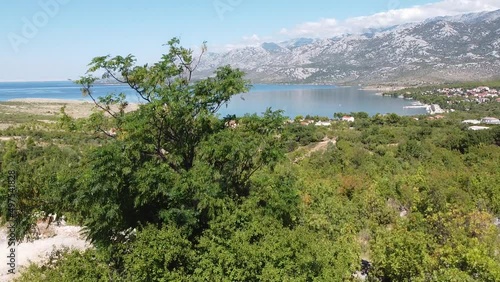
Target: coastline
49,101
47,109
131,106
382,88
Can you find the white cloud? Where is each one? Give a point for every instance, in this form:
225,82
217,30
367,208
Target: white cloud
247,41
330,27
333,27
253,38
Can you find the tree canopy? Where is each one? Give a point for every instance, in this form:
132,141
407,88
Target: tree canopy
174,192
173,160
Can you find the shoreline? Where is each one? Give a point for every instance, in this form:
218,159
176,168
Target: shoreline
49,101
382,88
58,101
48,109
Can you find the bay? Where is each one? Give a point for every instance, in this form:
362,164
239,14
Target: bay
321,100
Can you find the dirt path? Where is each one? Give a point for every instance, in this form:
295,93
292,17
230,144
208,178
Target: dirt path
320,146
39,250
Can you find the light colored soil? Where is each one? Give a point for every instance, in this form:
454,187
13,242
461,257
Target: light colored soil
323,145
46,121
74,108
8,138
39,250
49,109
320,146
5,125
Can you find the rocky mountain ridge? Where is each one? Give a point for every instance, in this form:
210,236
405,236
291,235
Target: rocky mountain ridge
458,48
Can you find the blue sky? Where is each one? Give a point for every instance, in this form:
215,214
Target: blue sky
55,39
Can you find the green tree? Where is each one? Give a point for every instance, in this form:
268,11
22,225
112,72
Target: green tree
401,255
177,113
159,255
171,162
66,266
298,118
39,173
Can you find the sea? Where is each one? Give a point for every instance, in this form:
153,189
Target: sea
294,100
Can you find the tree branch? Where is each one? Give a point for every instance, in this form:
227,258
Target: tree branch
106,109
203,50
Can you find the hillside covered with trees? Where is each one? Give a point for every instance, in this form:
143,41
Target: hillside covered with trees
174,192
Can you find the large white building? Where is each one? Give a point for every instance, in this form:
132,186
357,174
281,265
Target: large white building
490,120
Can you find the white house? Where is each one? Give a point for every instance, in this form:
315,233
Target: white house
490,120
348,118
435,109
323,123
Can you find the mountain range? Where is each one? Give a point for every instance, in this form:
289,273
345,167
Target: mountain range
443,49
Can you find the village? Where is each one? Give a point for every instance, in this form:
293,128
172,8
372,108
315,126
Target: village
482,94
479,95
439,101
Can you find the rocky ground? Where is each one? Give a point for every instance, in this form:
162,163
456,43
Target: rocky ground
54,237
16,113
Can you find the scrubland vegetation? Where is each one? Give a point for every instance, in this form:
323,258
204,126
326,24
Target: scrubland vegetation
173,193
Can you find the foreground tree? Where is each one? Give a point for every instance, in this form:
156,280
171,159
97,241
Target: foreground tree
176,114
173,161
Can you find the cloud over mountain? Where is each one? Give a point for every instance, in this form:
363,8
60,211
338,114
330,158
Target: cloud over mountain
456,47
329,27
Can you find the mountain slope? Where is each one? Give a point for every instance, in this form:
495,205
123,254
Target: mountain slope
465,47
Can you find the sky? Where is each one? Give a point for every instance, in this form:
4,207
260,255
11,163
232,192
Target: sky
47,40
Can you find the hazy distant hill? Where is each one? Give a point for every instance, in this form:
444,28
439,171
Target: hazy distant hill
463,47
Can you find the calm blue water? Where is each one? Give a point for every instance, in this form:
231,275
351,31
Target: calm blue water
293,99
